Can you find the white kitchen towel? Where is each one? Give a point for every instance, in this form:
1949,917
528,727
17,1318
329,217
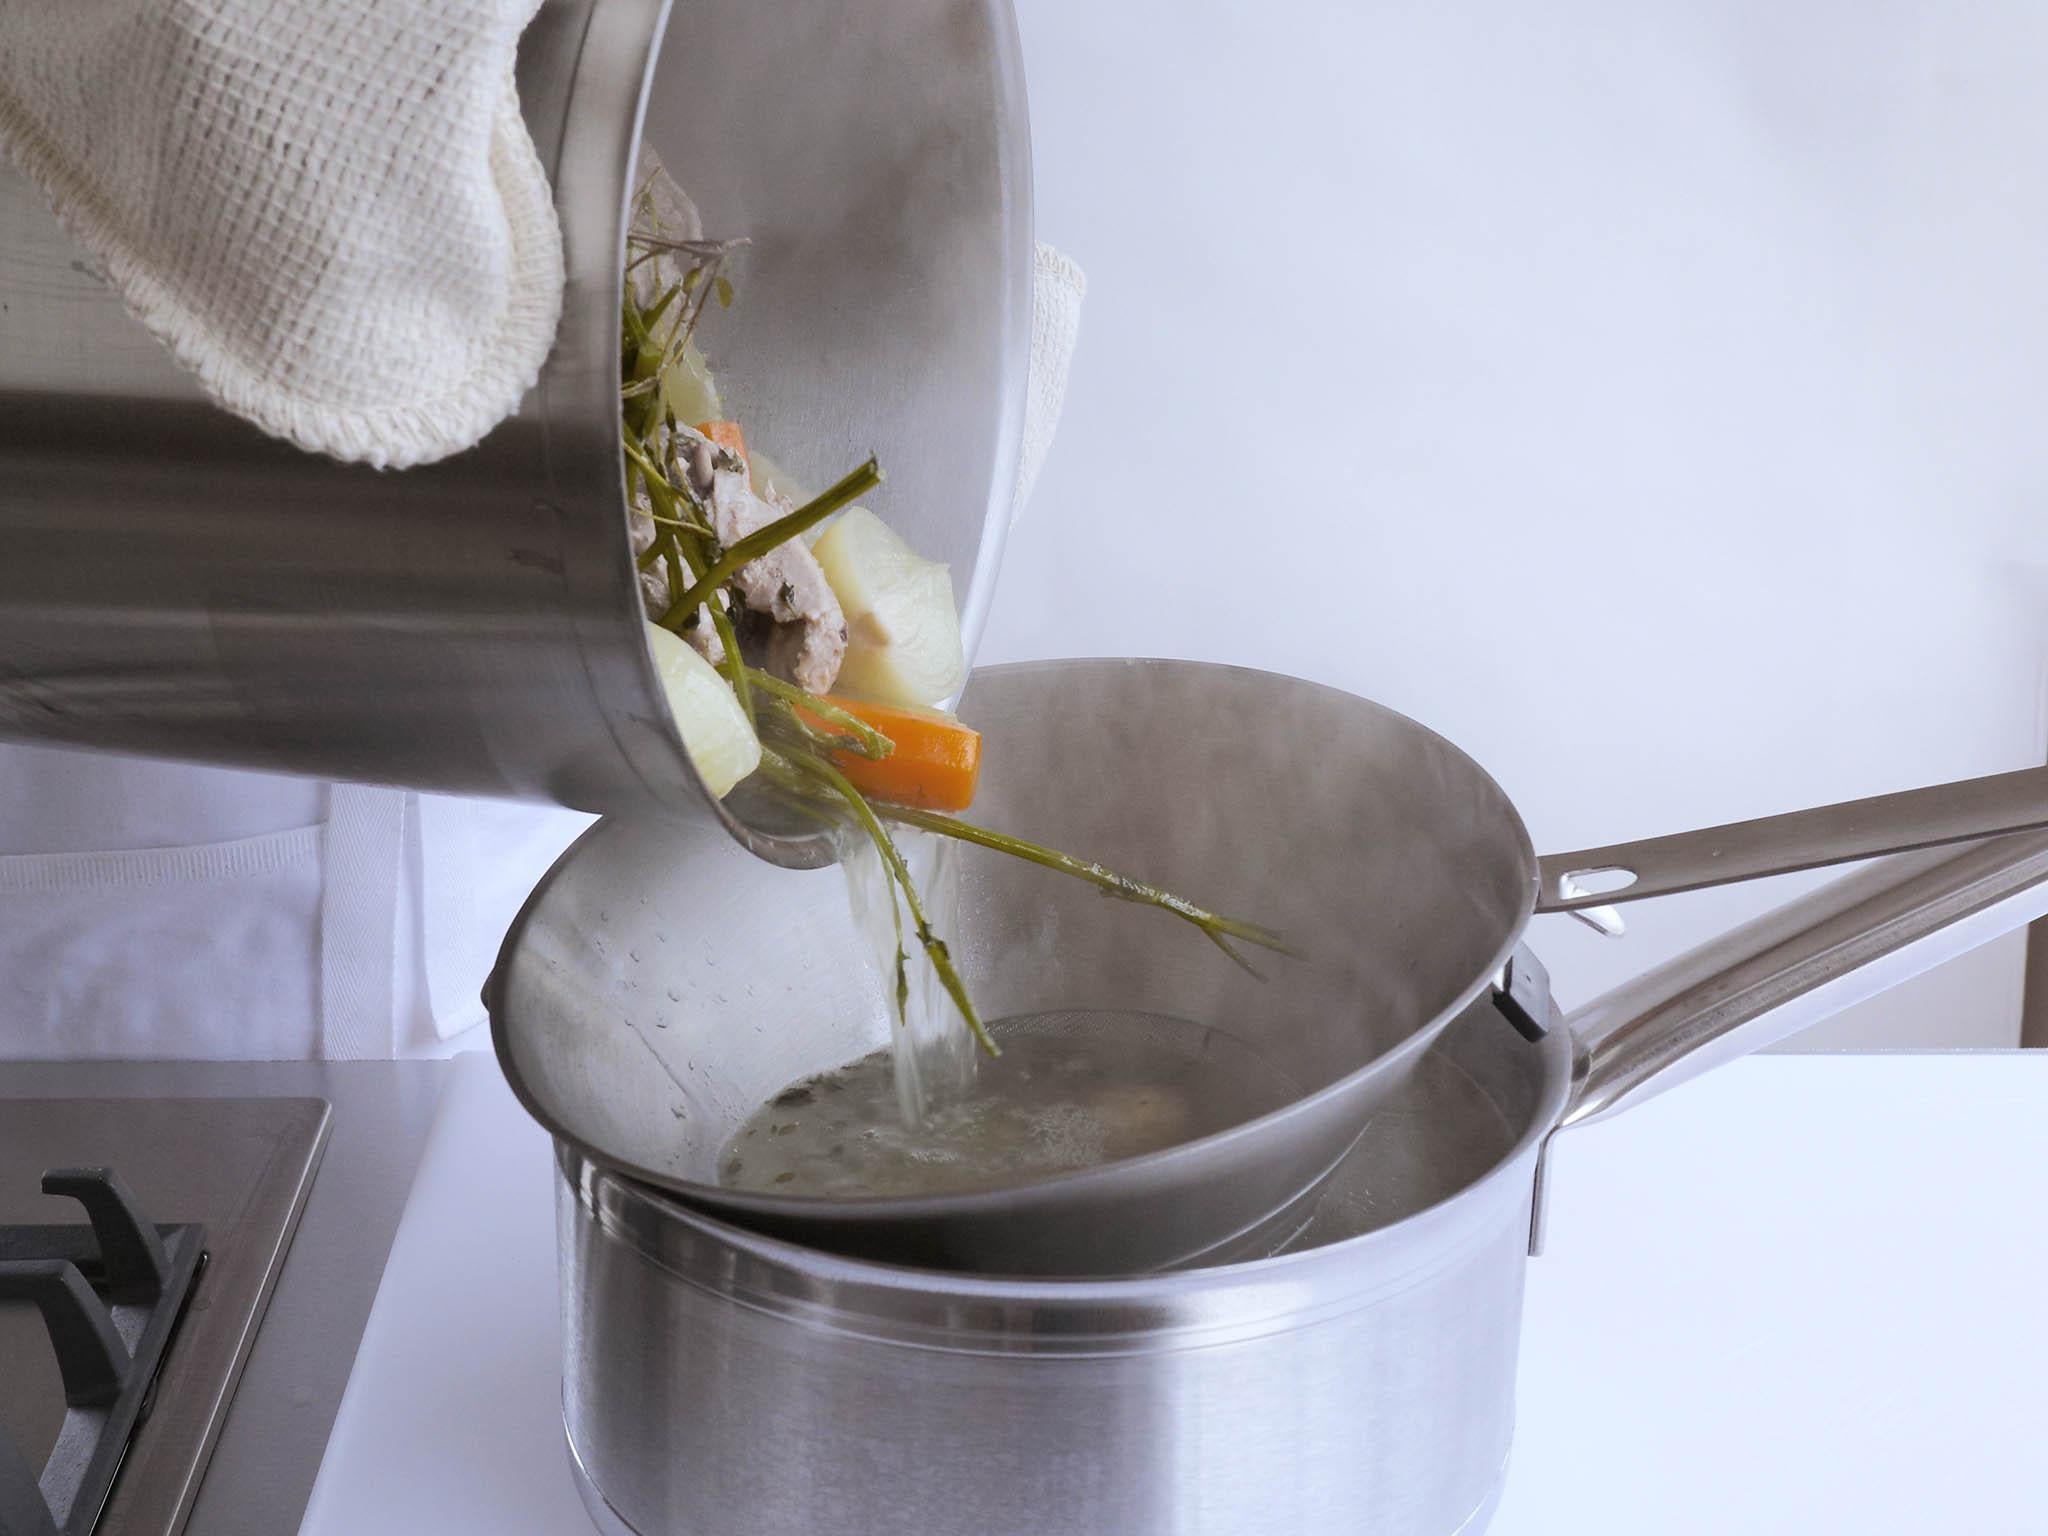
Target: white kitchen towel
1057,288
479,860
365,846
329,211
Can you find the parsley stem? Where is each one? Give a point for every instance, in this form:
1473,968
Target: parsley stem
892,857
1219,929
763,539
868,741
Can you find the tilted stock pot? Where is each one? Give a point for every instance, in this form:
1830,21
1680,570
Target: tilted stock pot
175,584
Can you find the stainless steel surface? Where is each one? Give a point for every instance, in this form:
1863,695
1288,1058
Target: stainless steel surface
112,1295
609,1522
1693,1011
242,1167
660,985
1776,845
1361,1380
276,1428
474,626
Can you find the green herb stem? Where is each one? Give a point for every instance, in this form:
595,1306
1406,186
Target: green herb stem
799,735
934,947
678,565
868,741
661,492
1220,929
735,667
651,318
758,543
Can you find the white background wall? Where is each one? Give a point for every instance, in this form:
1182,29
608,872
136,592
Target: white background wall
1646,395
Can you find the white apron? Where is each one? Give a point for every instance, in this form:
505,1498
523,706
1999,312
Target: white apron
156,910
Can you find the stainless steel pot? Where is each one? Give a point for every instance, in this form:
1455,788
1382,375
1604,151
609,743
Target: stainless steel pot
720,1383
173,583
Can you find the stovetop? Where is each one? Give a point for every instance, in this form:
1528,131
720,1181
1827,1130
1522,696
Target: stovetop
139,1243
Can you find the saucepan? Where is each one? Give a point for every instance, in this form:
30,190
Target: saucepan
1362,1379
660,985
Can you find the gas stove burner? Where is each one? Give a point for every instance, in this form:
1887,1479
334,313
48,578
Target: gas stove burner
243,1167
111,1293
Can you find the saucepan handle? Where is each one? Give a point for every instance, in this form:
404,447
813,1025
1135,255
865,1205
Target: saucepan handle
1776,845
1849,940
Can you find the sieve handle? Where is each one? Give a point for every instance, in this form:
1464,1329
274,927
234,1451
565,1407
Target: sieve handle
1777,845
1811,958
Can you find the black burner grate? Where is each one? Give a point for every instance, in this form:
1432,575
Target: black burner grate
110,1294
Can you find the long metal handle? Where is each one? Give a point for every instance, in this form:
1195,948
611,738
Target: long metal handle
1778,845
1751,987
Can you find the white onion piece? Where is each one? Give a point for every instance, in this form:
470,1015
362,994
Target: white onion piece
689,391
713,726
903,632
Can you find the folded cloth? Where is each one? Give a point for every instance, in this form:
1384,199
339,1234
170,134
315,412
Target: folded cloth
329,211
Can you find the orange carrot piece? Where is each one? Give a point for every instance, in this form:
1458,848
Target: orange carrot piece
936,764
727,435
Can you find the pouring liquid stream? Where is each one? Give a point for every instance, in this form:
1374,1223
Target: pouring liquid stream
934,1060
929,1115
1073,1088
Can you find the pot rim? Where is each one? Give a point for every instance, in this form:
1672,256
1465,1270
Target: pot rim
965,1312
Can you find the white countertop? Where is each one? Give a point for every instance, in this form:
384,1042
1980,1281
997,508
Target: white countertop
1803,1294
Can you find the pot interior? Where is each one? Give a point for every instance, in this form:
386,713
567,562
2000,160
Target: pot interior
1474,1101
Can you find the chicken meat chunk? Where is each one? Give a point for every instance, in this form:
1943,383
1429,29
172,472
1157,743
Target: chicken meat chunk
656,594
786,586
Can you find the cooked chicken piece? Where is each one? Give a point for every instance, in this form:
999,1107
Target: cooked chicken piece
786,585
655,594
